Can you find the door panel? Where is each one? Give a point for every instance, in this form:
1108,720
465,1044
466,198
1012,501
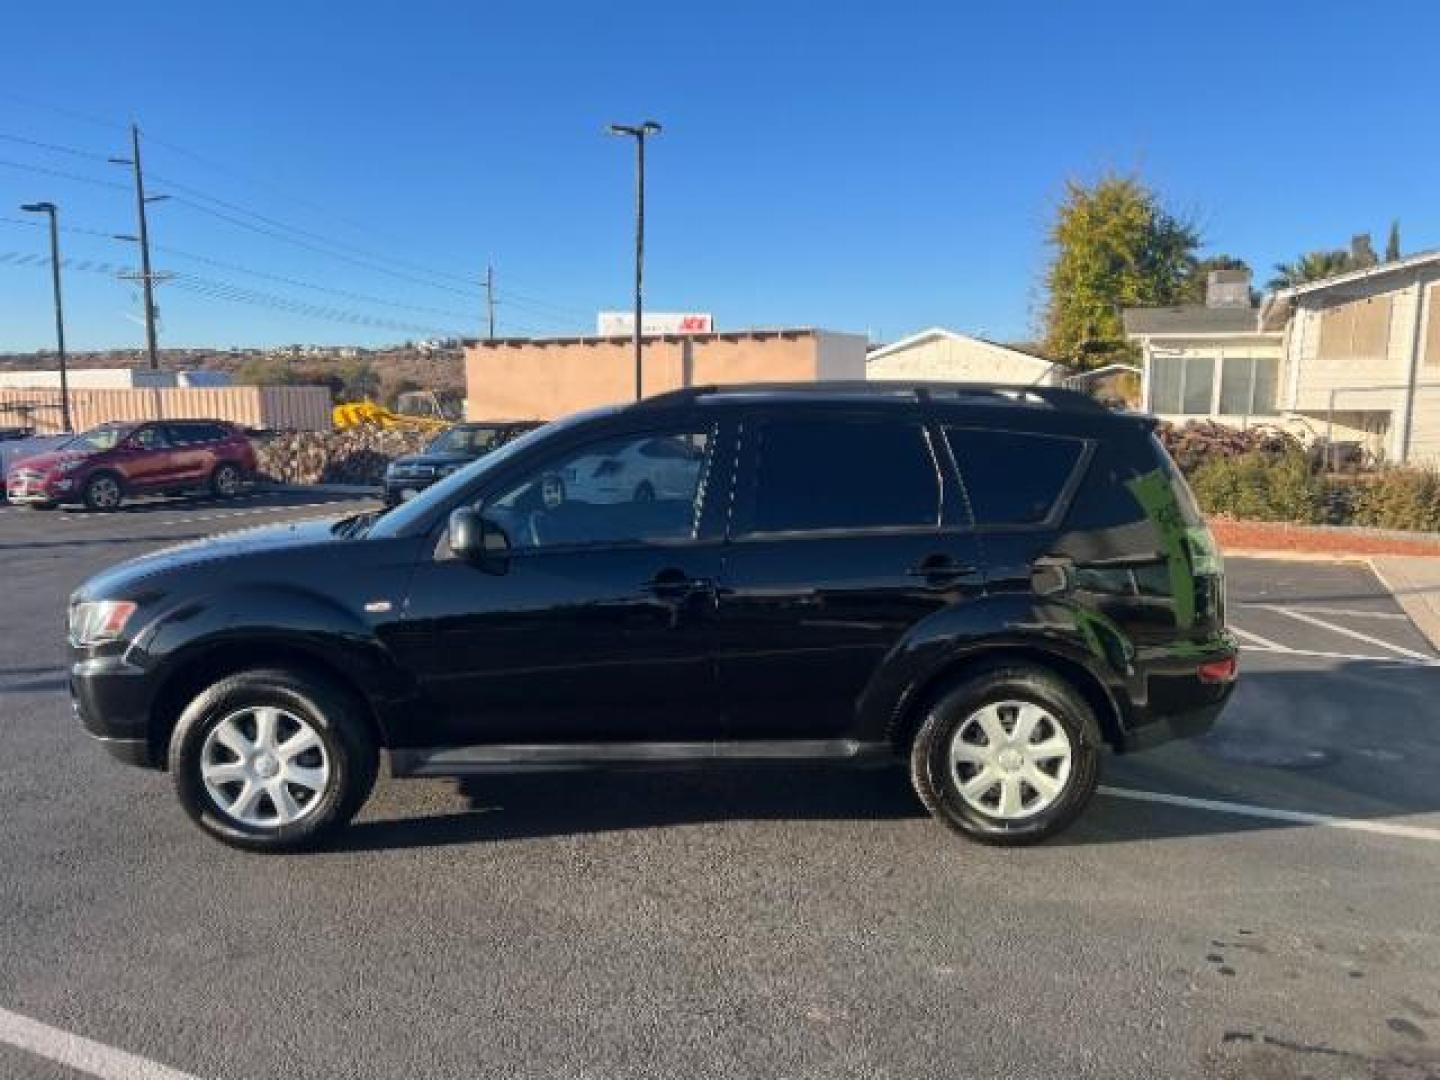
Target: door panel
578,645
804,623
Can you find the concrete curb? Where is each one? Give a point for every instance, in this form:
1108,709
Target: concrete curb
1414,583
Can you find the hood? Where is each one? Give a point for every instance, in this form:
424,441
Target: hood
122,578
43,463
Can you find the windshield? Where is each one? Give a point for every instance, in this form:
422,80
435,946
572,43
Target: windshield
400,520
104,437
464,440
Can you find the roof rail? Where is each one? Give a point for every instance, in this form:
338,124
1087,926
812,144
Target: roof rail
1057,397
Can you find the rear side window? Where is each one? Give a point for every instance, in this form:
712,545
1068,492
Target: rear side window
1012,477
815,474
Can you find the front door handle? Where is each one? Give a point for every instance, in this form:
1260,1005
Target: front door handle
938,568
673,584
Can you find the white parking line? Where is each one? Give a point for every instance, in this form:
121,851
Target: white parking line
1256,639
1395,616
79,1053
1319,654
1345,631
1293,817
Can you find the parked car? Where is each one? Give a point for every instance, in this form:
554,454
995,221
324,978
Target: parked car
990,585
449,452
106,465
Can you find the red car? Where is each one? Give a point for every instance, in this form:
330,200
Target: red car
107,464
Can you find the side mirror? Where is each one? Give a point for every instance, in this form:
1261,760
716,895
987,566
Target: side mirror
478,540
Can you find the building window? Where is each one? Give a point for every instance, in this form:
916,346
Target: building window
1357,329
1247,385
1182,385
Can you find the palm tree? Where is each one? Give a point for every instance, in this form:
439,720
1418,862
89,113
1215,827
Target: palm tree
1312,266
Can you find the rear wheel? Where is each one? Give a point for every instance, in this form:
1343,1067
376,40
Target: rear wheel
225,480
272,760
102,492
1009,755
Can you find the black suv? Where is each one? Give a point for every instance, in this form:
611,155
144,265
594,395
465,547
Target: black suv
448,452
988,583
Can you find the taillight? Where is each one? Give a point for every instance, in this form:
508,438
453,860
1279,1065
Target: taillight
1218,671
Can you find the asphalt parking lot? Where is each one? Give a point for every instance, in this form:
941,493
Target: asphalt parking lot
1260,903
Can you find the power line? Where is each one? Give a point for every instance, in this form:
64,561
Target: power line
62,174
54,147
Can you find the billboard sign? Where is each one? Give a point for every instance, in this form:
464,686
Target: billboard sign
622,323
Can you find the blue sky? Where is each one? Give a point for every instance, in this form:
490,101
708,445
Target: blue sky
868,167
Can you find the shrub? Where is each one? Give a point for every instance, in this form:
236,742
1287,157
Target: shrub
1261,486
1400,499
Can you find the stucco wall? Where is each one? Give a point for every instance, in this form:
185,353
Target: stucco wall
295,408
540,380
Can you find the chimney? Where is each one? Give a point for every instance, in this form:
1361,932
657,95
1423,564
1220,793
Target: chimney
1227,289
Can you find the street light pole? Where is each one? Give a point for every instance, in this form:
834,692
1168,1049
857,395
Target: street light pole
639,133
50,209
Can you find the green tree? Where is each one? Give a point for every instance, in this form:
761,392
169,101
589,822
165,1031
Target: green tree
1392,243
1115,246
1312,266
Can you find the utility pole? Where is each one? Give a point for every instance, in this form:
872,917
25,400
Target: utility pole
490,299
51,209
639,133
147,278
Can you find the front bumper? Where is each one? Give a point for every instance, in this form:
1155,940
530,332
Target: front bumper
111,699
39,490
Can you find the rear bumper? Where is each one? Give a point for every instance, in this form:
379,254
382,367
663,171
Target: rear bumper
111,699
1170,700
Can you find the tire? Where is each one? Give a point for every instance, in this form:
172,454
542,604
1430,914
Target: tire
954,746
225,481
644,492
102,492
338,770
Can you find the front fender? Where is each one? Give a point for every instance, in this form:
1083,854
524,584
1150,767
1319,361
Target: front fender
1007,621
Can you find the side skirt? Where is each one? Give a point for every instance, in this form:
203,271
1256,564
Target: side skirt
556,757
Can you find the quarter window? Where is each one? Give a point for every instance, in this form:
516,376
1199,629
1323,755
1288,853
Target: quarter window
1012,478
843,474
614,491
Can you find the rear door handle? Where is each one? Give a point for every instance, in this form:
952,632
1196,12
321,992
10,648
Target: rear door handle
941,568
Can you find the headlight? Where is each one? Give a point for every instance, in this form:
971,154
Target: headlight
98,621
446,470
69,466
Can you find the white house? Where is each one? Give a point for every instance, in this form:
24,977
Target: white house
944,355
1354,357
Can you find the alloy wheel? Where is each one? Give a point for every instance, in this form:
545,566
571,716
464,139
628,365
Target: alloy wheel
1011,759
265,767
104,493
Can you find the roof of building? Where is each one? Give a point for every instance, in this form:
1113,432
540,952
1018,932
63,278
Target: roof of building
1184,319
603,339
1025,350
1350,277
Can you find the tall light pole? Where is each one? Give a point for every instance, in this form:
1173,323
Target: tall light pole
51,209
147,278
639,133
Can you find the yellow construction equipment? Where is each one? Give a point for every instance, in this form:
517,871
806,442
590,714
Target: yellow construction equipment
366,413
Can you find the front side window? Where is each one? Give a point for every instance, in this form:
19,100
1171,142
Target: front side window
1011,477
836,473
625,489
150,438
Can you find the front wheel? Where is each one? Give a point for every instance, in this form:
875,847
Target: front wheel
1009,755
272,760
102,492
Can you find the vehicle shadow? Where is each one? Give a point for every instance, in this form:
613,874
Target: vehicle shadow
526,807
253,499
1357,740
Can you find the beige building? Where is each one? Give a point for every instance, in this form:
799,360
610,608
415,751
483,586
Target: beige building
1355,357
947,356
542,378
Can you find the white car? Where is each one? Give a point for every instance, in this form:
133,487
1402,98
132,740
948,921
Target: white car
661,468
